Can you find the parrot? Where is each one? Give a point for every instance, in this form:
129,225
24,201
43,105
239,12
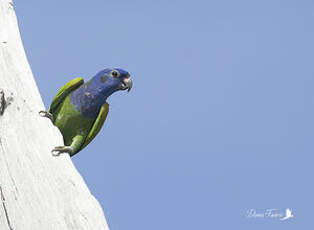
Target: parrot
80,109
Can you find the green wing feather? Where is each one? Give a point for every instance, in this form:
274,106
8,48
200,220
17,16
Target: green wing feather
64,92
100,120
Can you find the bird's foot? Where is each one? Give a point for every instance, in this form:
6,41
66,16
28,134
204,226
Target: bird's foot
61,149
43,113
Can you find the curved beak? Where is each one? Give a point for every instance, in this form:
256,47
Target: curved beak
127,84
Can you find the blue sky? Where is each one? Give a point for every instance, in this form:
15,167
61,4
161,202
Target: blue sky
220,117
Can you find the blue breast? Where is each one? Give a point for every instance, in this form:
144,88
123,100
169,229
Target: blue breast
89,98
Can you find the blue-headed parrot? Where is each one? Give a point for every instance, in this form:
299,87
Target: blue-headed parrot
80,109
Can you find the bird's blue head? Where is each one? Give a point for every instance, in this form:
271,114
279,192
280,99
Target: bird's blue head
93,94
112,80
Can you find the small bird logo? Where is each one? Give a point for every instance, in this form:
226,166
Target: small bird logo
288,214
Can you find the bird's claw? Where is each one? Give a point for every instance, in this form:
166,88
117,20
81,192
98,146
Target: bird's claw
43,113
61,149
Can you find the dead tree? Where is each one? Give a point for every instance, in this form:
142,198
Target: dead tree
37,191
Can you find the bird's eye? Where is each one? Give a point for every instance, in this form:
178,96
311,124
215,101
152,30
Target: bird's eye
115,73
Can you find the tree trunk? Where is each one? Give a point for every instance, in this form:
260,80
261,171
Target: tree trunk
37,190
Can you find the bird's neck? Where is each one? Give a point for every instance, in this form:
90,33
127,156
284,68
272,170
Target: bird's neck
99,90
90,97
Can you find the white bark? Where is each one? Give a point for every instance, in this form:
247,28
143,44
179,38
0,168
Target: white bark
37,190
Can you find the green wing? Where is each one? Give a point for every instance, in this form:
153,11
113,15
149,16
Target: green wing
65,91
100,120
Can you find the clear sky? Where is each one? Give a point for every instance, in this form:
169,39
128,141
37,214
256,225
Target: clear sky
220,117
